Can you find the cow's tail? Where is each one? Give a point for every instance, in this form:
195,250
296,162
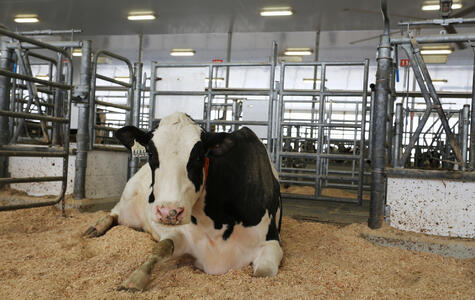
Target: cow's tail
280,217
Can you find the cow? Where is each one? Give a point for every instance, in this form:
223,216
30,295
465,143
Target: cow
215,196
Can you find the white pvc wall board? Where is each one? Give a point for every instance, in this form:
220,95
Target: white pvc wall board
431,206
106,174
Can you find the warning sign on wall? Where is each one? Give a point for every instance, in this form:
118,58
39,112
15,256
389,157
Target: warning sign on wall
404,62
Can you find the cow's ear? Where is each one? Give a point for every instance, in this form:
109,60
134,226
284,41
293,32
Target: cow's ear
129,134
217,144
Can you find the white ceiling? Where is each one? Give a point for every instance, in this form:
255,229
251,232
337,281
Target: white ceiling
108,17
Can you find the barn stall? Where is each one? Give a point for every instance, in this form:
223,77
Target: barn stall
396,155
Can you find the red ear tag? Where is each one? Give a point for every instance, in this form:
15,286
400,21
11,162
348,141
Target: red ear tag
206,169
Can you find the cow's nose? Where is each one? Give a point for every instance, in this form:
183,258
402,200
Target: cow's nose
170,216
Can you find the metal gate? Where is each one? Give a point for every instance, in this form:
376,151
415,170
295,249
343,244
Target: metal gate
309,133
222,105
51,115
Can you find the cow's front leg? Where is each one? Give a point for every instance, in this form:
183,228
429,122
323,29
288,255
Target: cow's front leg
101,226
137,281
268,260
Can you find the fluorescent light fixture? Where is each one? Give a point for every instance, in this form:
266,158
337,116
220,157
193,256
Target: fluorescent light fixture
313,80
439,81
182,52
276,11
215,79
298,51
436,51
77,52
26,19
141,16
122,78
434,5
43,77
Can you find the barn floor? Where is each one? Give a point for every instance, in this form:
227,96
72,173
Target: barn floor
42,256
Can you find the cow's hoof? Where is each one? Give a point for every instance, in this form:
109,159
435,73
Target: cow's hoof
265,270
100,228
136,282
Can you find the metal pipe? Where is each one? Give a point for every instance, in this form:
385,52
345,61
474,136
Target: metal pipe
270,110
153,82
32,116
33,79
210,96
465,123
58,99
398,123
362,133
50,32
5,64
134,161
472,116
428,39
25,39
83,92
378,182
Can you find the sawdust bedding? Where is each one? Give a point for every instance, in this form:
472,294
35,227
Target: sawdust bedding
42,256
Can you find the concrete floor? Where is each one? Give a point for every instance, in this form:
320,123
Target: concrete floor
324,211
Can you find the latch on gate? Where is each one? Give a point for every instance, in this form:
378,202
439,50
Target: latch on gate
138,150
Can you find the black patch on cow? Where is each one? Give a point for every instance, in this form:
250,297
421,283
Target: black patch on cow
227,233
195,165
154,163
193,220
240,185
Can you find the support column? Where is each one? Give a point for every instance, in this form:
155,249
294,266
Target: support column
83,92
5,63
378,162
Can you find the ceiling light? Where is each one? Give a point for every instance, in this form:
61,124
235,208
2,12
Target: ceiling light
438,81
43,77
434,5
26,19
313,80
276,11
77,52
122,78
436,51
182,52
215,79
298,51
145,16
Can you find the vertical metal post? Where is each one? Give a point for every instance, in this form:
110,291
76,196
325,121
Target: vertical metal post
465,121
151,104
134,161
5,63
321,114
210,95
280,117
271,97
83,92
472,116
378,162
363,132
391,100
315,72
398,123
58,99
226,82
371,117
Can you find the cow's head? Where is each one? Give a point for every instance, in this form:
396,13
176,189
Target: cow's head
177,150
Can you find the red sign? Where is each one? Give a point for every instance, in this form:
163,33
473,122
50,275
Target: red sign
404,62
217,60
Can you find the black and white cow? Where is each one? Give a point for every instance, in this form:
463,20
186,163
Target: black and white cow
215,196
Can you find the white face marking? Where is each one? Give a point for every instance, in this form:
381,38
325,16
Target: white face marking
174,139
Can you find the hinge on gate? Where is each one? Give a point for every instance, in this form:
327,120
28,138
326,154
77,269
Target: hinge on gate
138,150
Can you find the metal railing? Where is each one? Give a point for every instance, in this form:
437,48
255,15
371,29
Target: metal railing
60,117
230,95
94,102
316,169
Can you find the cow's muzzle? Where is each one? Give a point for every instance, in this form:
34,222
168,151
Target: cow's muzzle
170,216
